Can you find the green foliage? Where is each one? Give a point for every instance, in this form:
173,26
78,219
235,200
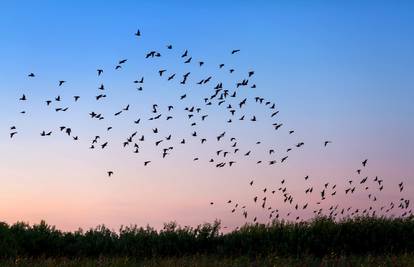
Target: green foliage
319,238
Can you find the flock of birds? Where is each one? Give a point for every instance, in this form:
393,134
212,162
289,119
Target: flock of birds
231,100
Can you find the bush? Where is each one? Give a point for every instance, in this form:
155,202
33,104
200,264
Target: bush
319,237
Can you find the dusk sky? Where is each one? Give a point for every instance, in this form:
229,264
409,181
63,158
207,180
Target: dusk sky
341,71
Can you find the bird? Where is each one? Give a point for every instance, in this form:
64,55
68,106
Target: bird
45,134
160,72
139,81
401,186
243,102
228,101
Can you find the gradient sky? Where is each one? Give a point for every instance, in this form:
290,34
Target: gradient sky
337,70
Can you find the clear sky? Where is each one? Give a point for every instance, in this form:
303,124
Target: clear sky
337,70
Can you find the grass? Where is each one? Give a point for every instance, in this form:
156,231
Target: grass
360,241
405,260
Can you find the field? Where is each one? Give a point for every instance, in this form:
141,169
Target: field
211,261
362,241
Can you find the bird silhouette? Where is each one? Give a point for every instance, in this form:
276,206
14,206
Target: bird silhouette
233,102
146,163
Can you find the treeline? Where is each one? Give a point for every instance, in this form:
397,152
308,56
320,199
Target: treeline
319,237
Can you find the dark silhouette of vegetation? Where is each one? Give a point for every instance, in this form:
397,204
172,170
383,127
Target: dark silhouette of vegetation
320,237
402,260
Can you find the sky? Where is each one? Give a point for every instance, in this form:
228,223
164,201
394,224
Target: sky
336,70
